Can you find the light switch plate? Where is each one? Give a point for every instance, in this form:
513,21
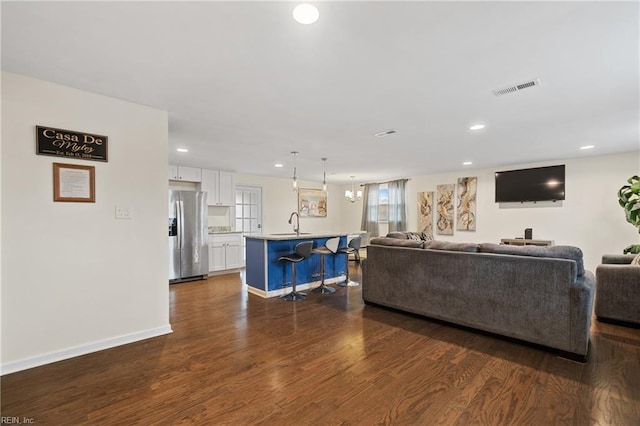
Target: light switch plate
124,212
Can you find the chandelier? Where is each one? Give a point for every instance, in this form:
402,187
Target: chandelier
353,195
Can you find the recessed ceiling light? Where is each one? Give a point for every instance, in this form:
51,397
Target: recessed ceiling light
182,150
278,165
467,163
477,127
385,133
306,13
587,147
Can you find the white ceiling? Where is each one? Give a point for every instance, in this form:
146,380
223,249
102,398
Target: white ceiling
245,84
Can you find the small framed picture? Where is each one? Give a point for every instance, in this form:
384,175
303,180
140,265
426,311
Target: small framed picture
74,183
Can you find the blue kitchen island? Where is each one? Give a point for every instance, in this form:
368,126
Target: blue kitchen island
267,277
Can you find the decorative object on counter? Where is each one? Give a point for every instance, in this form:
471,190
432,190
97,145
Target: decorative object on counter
74,183
329,248
302,252
295,176
445,209
353,195
629,200
312,203
466,211
425,213
71,144
528,233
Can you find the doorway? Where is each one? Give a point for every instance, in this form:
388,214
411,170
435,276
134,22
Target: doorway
248,212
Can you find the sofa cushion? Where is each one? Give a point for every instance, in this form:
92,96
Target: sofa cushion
452,246
556,252
398,234
387,241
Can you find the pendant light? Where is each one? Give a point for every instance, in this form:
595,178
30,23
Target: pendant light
324,174
295,177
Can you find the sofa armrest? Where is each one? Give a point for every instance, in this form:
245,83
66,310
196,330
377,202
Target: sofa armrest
618,292
619,276
617,259
582,294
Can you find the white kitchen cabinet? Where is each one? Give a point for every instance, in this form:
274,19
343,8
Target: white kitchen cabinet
225,251
220,187
184,173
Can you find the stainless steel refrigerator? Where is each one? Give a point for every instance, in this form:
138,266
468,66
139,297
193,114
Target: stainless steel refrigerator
188,236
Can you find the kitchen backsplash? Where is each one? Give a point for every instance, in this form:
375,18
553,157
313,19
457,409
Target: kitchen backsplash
219,229
220,219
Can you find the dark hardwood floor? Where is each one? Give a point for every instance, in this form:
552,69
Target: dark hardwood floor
238,359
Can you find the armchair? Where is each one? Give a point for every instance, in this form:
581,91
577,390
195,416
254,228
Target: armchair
618,289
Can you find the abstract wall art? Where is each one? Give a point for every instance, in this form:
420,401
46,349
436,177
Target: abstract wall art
466,208
425,213
444,223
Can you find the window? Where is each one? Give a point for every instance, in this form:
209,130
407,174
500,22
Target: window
383,203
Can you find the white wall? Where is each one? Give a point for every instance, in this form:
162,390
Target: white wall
75,279
589,218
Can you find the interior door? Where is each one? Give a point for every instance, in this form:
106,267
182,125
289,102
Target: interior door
248,213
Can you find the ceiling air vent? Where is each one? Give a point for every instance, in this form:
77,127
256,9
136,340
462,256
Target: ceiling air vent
385,133
516,87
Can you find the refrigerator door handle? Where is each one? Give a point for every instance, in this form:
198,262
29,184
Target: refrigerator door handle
179,210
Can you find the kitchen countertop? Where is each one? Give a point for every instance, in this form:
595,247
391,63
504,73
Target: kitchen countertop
224,232
303,236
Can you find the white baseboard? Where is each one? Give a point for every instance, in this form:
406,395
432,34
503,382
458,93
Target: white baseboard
299,287
36,361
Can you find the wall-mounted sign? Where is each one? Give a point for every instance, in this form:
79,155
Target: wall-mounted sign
70,144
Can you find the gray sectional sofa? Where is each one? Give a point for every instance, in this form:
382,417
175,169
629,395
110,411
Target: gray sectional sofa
540,295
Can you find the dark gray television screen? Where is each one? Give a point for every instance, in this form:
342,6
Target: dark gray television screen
538,184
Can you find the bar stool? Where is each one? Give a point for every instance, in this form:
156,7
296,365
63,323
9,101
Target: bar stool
303,251
329,248
352,247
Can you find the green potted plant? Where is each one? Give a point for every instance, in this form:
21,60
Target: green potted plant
629,199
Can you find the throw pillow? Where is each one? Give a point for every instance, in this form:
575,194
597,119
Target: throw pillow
636,260
426,236
414,237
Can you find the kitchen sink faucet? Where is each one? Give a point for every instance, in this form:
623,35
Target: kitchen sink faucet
296,227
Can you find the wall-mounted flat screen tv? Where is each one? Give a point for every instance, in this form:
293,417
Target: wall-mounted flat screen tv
538,184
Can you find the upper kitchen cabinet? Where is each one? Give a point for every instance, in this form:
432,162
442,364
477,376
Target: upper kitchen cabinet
220,187
183,173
